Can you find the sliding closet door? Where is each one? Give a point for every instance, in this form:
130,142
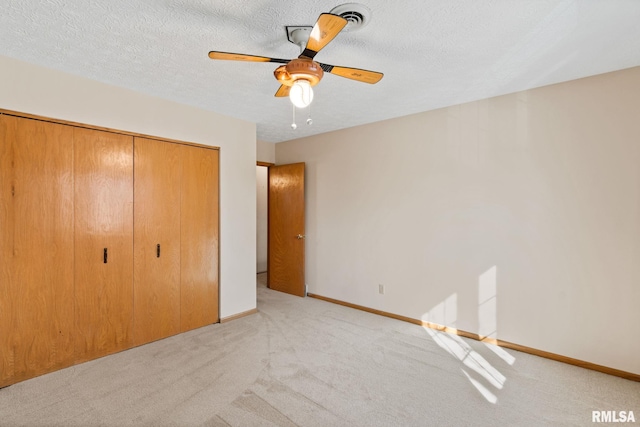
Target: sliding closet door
157,171
36,248
199,254
103,243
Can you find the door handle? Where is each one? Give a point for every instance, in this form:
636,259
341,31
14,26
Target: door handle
300,236
104,255
158,251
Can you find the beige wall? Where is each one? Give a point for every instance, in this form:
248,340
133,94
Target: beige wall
265,151
516,217
36,90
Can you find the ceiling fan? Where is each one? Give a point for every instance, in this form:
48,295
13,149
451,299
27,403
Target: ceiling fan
298,75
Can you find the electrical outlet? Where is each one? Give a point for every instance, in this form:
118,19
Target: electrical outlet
381,289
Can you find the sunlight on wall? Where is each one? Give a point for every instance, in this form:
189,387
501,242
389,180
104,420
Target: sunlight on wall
487,304
487,312
445,313
480,373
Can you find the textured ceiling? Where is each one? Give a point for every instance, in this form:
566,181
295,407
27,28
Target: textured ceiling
433,53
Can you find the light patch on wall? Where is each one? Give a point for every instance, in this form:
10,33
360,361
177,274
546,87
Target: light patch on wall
487,312
445,314
488,303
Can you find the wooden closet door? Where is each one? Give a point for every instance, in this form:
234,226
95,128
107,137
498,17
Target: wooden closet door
36,248
199,238
103,222
157,174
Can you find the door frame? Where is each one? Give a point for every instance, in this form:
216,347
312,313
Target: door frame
268,165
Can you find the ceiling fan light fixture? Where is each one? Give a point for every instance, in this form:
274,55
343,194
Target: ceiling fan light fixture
298,75
301,93
305,69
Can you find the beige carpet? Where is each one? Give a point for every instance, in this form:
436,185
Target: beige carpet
307,362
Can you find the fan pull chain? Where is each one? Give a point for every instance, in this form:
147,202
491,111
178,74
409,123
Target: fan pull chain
294,126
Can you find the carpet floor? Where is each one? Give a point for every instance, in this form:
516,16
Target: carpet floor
306,362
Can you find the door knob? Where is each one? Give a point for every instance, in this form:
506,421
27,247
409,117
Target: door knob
300,236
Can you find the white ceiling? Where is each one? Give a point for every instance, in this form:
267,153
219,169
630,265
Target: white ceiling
433,53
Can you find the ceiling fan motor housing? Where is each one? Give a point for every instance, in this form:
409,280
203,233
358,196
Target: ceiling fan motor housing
299,68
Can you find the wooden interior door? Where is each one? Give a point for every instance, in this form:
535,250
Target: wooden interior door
36,248
103,243
199,238
156,259
285,271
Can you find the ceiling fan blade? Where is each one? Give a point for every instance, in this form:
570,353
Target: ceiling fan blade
283,91
242,57
326,28
365,76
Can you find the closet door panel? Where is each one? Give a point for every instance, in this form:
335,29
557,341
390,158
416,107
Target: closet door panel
36,248
103,243
156,222
199,234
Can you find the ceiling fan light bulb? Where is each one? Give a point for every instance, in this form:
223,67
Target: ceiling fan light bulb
301,93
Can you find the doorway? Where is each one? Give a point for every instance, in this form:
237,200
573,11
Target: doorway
280,236
262,221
